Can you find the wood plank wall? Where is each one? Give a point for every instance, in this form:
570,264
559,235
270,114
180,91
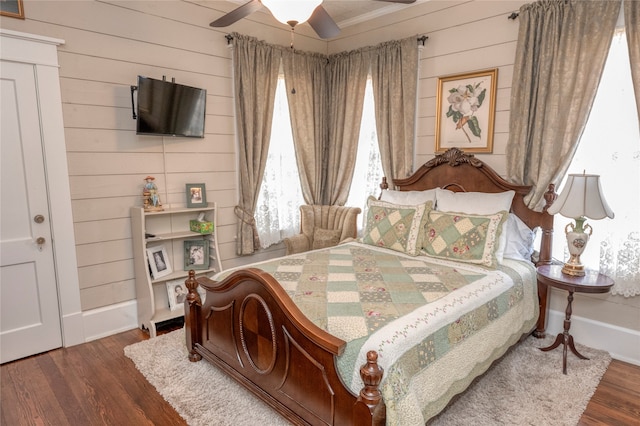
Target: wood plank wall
109,43
464,36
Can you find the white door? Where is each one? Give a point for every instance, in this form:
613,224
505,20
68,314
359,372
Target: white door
29,311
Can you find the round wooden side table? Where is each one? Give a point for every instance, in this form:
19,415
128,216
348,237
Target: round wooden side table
591,282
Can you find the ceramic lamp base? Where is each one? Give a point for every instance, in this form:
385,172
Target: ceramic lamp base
577,240
573,267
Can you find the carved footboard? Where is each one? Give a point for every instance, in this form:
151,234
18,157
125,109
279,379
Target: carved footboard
251,329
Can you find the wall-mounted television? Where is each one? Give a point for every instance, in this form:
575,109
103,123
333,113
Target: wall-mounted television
168,108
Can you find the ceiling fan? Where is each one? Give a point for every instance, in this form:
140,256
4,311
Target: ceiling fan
292,12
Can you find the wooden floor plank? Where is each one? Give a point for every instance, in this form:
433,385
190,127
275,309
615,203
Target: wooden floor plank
29,384
96,384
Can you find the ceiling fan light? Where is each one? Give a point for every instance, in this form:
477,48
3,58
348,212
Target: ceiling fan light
287,11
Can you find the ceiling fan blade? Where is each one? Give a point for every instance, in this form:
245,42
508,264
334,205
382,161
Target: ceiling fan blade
399,1
237,14
323,24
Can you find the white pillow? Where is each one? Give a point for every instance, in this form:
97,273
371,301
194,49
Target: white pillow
482,203
520,239
409,198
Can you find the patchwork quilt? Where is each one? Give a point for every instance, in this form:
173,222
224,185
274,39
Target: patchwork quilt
435,324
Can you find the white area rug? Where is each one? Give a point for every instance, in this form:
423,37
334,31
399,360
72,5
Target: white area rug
526,387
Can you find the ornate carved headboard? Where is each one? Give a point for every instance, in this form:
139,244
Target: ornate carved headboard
459,172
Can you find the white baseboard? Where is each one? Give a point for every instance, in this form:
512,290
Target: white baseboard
622,343
113,319
72,329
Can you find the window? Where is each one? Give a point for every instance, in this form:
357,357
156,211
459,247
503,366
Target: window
277,212
368,172
610,147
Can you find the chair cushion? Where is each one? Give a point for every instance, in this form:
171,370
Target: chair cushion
323,238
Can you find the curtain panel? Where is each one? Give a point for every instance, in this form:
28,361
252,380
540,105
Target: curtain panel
255,74
347,82
561,50
632,28
394,73
306,80
325,98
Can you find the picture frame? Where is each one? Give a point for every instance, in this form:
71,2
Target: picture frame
159,261
196,254
12,8
465,115
196,195
176,293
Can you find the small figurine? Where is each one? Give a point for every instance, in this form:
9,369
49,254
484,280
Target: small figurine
150,195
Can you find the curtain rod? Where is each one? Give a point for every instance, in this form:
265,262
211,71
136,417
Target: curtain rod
513,15
421,39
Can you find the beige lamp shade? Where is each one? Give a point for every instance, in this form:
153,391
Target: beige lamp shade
582,197
291,12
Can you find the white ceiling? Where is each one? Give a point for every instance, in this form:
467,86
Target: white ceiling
351,12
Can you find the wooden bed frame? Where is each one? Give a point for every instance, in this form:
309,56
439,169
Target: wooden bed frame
251,329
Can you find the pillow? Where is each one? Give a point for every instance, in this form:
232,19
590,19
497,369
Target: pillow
409,198
520,239
462,237
323,238
395,226
477,203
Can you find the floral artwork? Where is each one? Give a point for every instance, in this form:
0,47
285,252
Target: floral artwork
464,101
466,105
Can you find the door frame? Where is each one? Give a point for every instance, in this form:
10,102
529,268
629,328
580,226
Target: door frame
42,53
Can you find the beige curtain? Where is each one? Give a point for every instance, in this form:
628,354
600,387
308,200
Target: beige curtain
347,82
306,81
255,77
632,28
561,51
394,73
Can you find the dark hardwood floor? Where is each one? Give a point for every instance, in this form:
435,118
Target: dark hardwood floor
95,384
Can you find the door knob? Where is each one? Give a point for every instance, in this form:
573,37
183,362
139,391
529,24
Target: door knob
38,218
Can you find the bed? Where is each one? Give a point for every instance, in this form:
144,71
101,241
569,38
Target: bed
385,328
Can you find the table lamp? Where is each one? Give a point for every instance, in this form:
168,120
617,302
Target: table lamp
580,199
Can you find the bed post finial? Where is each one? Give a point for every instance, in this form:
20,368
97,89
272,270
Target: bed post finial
371,374
384,185
192,307
550,196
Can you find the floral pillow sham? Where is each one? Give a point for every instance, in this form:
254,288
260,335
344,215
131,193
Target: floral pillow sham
395,226
463,237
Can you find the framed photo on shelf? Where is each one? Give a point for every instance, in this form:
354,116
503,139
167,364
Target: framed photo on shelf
12,8
159,261
196,254
466,105
177,293
196,195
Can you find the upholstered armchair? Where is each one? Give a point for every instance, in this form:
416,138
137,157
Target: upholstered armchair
323,226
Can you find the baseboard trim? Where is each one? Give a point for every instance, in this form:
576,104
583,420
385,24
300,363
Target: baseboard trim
72,329
622,343
112,319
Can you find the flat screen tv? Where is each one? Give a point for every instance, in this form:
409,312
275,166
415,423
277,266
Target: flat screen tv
168,108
